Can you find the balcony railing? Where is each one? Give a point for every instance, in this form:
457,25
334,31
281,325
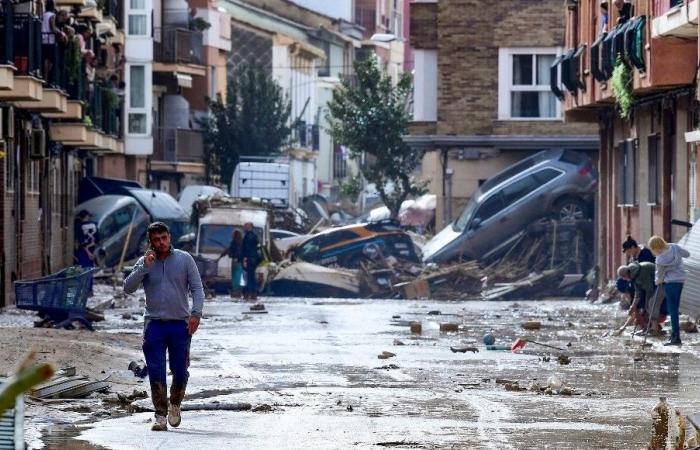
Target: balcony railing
661,7
104,110
307,136
21,44
178,145
178,46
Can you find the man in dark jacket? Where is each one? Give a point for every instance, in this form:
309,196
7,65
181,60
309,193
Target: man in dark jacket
641,277
249,256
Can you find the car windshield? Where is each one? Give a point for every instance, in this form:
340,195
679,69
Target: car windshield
466,216
215,238
177,229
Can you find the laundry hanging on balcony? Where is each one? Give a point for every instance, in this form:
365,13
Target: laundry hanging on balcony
634,42
597,71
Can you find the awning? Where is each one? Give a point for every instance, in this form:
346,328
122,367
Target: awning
183,80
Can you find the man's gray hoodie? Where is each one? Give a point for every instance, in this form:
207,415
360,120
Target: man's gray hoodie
166,284
669,265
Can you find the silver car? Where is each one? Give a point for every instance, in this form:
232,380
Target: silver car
556,183
113,214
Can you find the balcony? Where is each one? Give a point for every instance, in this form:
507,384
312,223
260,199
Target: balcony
104,110
178,50
21,50
586,68
178,145
675,18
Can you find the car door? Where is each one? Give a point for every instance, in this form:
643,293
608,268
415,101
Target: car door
483,234
108,240
522,204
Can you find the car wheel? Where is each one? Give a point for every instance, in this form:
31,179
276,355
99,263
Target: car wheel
571,210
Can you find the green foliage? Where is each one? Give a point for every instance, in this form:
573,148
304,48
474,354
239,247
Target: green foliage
622,88
251,121
351,187
199,24
370,116
72,55
88,121
111,98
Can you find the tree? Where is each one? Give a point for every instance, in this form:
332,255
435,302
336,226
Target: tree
253,120
370,116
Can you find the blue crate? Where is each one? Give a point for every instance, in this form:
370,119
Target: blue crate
63,292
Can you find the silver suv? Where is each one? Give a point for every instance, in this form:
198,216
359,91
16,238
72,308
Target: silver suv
557,183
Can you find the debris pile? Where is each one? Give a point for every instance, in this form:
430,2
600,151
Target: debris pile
67,385
381,260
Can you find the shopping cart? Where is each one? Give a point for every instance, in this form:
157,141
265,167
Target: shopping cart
61,297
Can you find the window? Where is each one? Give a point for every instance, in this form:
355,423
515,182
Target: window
545,176
137,123
524,91
137,117
10,166
490,207
136,87
138,18
626,173
654,172
519,189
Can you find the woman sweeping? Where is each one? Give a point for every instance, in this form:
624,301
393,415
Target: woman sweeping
670,272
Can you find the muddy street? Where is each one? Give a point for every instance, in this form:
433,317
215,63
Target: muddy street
315,363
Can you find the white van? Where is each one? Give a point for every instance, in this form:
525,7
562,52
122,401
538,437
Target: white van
214,233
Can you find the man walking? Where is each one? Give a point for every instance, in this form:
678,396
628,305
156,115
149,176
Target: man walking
166,274
249,255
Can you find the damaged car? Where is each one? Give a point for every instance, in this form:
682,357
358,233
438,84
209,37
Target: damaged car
351,245
555,183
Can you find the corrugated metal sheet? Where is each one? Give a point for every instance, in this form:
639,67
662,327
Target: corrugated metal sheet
11,427
690,299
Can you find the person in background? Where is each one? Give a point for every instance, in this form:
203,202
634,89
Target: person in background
624,8
604,16
634,253
86,241
642,311
234,252
50,33
670,272
249,257
167,275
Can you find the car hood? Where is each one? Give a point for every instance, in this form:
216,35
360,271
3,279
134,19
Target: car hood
439,241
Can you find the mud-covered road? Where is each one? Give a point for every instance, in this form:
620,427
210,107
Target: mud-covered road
315,363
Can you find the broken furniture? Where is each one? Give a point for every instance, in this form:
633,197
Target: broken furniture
61,297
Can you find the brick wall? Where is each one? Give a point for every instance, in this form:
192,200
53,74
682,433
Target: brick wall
423,25
468,61
111,166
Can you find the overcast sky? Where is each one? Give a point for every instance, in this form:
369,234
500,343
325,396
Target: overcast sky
333,8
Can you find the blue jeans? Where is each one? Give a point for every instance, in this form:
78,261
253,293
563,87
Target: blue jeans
673,303
85,261
171,336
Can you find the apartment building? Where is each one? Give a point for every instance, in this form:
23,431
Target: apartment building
481,92
648,150
57,121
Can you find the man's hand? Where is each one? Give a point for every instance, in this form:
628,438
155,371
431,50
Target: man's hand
193,325
149,258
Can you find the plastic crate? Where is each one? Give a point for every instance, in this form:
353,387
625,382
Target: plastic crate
64,291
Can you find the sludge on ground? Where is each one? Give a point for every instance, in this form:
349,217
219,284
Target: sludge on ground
315,363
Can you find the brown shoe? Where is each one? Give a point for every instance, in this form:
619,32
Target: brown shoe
160,424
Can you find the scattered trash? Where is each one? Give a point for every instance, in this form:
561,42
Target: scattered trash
659,433
522,342
464,349
434,313
416,327
563,360
262,408
386,355
498,347
75,386
531,325
387,367
349,408
489,339
257,307
398,342
449,327
139,371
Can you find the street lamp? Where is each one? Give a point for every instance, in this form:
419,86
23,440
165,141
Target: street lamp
383,37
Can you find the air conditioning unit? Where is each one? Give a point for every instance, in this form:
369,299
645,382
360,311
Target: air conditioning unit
37,149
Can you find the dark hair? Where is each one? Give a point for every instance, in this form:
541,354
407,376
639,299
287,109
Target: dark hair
629,243
50,6
83,213
158,227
